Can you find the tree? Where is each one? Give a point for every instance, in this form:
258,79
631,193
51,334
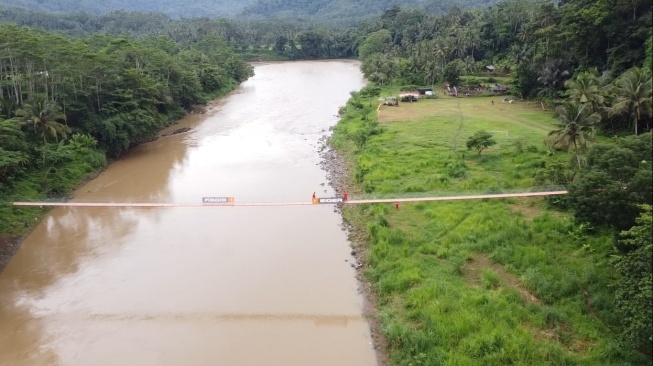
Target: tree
617,181
634,96
480,141
553,76
13,149
43,117
452,72
574,121
588,88
469,66
375,42
634,288
311,43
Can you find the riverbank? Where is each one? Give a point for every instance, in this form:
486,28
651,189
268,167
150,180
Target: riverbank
338,170
502,281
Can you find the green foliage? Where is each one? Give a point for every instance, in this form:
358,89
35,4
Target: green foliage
526,82
370,91
618,179
375,42
440,306
575,120
42,118
380,68
119,90
480,141
648,61
634,293
452,72
634,93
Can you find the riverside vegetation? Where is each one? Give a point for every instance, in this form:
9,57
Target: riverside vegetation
511,281
67,105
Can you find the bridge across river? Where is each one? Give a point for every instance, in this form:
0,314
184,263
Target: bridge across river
232,202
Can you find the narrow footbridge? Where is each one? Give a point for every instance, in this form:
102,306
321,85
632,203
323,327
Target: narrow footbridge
231,202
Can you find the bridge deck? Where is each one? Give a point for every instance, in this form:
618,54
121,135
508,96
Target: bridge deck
303,203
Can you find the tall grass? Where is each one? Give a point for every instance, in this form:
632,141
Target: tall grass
418,255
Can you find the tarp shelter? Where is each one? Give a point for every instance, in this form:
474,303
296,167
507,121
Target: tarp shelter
423,91
489,68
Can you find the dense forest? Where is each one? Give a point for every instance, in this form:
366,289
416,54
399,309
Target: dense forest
350,12
76,89
174,8
66,105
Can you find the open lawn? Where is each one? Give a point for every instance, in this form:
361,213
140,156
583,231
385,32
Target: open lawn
495,282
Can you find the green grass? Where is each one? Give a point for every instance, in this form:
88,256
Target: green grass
430,313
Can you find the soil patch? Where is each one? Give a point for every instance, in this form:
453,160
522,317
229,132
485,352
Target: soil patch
562,334
474,268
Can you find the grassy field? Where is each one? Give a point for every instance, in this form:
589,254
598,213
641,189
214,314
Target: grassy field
492,282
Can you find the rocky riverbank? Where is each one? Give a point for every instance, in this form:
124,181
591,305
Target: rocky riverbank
338,175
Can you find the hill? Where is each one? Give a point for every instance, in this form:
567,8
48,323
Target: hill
342,9
288,9
173,8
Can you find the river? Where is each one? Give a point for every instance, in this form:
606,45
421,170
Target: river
201,285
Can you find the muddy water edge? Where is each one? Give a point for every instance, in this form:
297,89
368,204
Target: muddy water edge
201,285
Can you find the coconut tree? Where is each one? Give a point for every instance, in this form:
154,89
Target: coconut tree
43,117
633,96
585,89
469,66
574,120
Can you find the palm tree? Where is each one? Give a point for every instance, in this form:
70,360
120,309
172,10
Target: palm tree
43,116
574,120
593,89
633,95
469,65
432,72
585,89
553,77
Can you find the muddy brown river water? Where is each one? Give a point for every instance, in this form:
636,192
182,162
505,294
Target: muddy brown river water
198,285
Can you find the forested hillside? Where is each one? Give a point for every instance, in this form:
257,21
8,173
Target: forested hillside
351,11
173,8
340,11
